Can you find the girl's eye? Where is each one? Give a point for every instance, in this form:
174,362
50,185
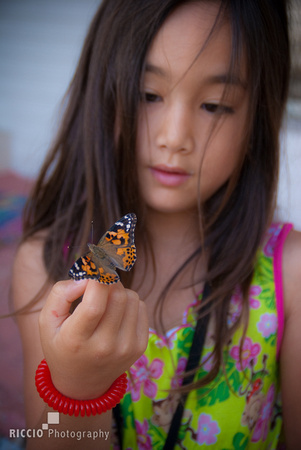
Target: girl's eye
150,97
216,108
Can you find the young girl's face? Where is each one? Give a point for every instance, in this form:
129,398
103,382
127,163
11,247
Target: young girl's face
179,152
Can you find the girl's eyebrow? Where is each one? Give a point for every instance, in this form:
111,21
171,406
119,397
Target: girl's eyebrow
155,70
223,78
228,79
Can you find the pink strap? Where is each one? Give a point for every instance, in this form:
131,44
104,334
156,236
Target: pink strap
279,281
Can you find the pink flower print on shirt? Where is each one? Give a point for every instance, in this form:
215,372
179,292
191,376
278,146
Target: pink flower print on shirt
249,352
269,247
144,441
254,292
207,430
207,361
262,425
142,377
235,307
177,379
161,342
267,324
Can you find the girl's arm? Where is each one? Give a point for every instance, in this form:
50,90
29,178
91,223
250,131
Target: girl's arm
29,276
290,357
85,351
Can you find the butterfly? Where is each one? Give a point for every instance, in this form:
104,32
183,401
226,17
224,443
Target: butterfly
116,249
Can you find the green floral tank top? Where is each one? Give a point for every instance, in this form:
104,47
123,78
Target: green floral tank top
241,408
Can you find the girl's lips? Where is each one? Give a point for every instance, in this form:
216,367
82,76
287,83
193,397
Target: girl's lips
169,176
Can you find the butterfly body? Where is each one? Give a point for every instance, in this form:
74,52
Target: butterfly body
116,249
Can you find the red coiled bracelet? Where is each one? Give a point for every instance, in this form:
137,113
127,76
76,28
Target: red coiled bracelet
66,405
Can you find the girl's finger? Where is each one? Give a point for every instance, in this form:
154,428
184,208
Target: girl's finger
142,327
135,322
58,304
114,315
91,310
129,322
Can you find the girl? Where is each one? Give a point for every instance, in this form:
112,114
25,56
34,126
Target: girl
174,114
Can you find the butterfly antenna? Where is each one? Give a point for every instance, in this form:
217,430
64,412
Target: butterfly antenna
92,231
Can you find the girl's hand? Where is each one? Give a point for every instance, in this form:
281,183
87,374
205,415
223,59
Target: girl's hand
105,335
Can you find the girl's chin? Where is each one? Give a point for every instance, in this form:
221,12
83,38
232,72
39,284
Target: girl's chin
169,207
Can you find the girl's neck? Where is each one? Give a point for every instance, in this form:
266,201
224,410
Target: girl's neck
173,233
173,239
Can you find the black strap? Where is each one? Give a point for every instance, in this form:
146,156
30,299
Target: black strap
118,423
193,361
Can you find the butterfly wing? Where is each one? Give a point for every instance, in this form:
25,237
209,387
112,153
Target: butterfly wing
119,242
116,249
88,266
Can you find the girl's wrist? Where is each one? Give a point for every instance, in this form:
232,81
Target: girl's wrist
66,405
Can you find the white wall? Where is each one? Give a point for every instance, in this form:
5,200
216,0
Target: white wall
289,191
40,42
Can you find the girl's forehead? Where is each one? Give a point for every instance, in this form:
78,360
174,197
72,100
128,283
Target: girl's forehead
188,15
193,31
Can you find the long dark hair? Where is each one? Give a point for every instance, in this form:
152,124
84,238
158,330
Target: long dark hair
90,172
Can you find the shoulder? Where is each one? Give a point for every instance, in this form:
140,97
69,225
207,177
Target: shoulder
29,272
290,353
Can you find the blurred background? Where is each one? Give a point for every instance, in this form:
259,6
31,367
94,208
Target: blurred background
40,43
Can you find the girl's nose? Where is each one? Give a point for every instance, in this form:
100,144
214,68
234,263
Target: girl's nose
175,131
